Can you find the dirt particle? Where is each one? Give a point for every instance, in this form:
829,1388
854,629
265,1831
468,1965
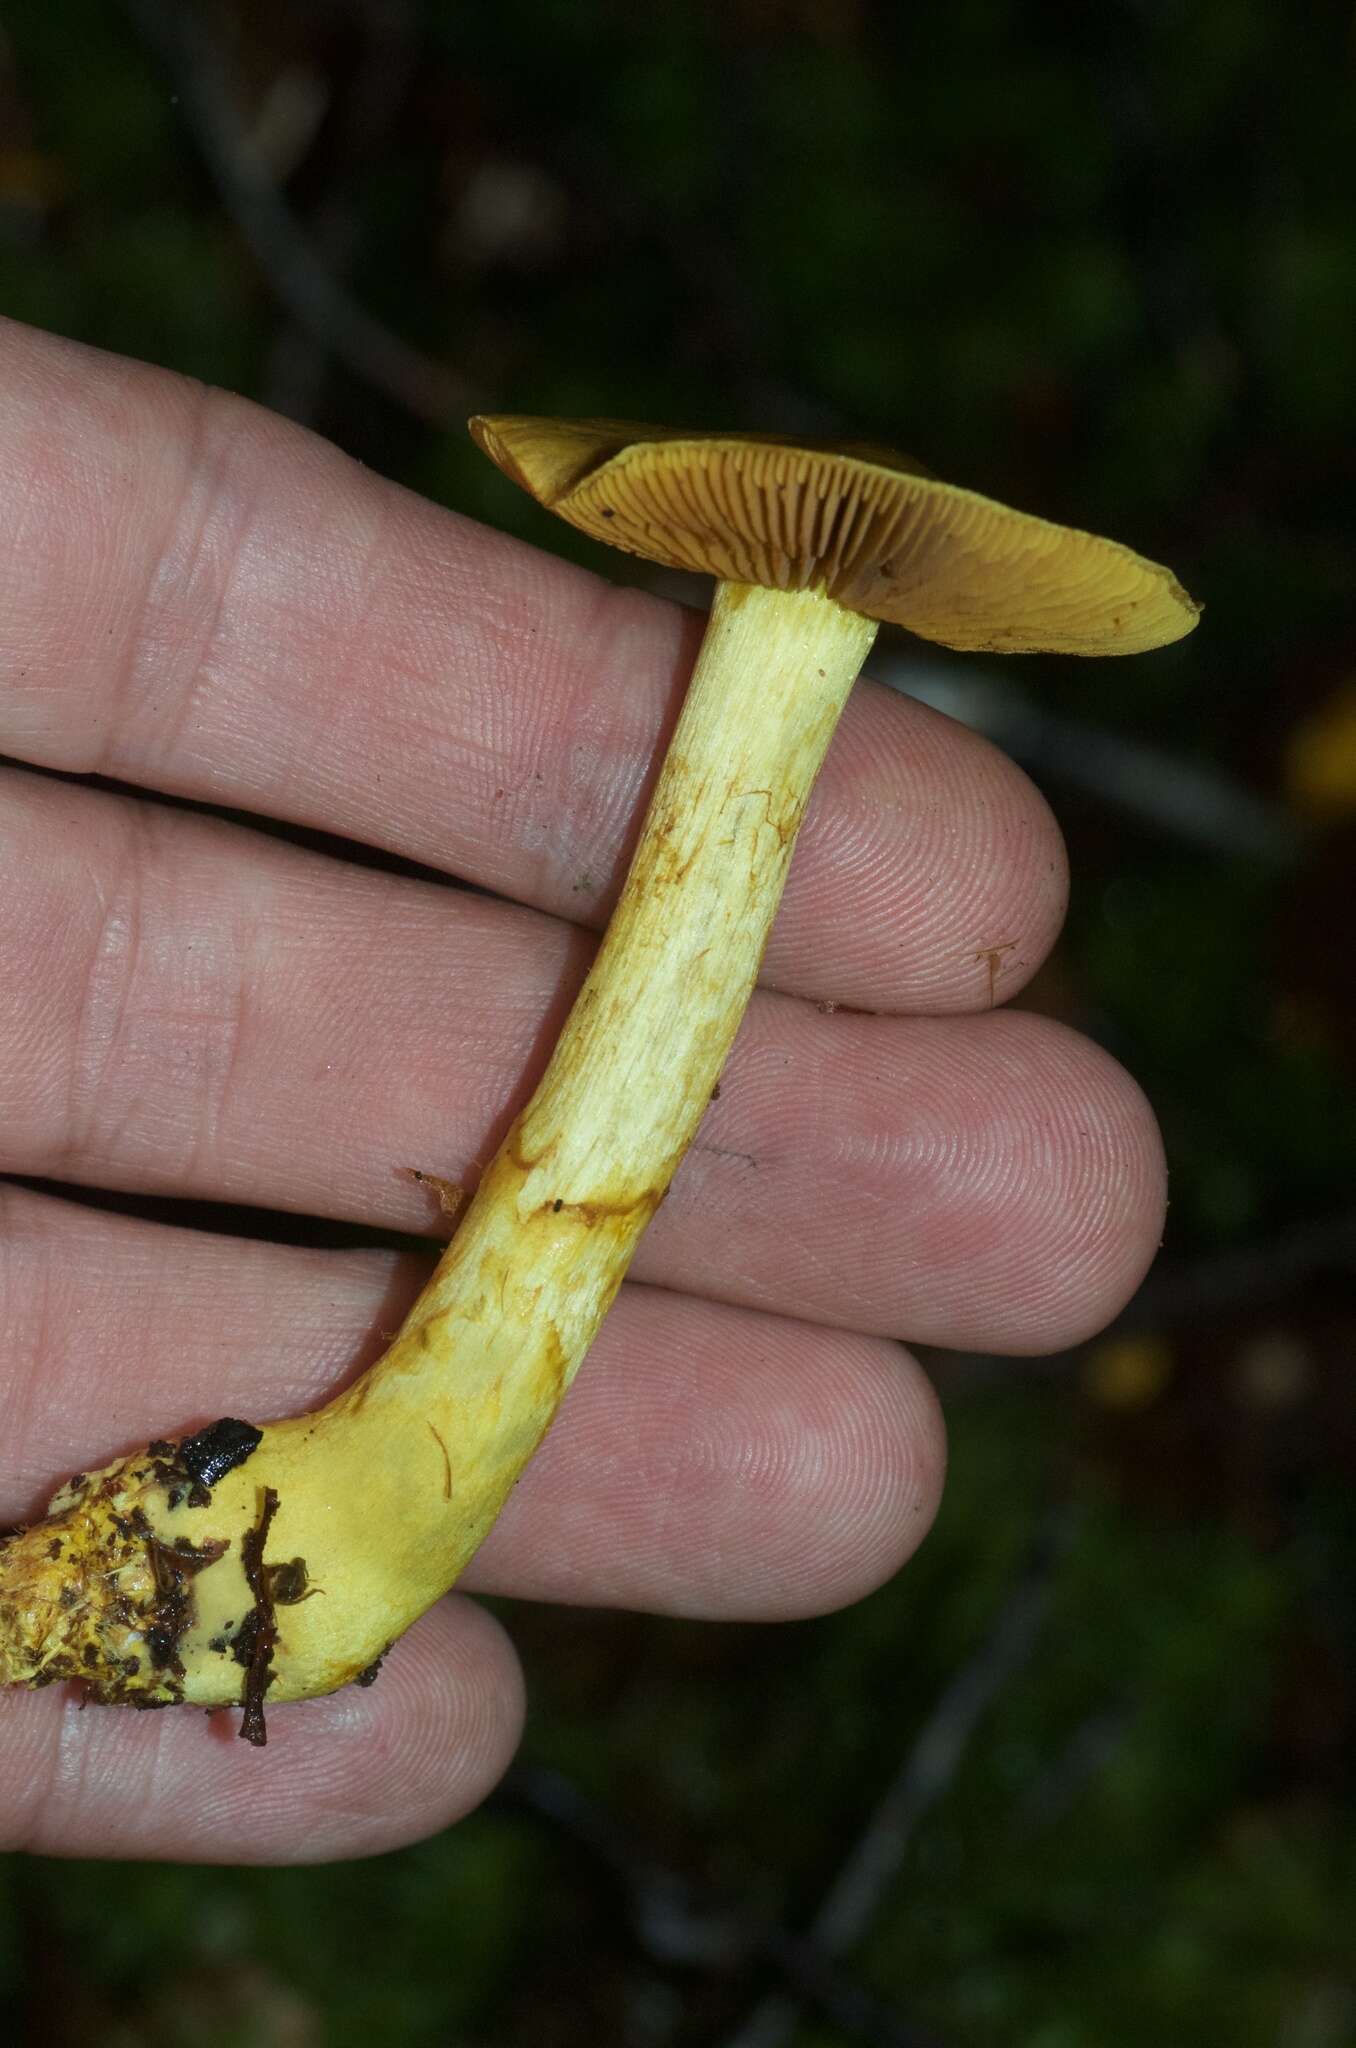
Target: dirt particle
211,1453
287,1583
258,1631
450,1196
368,1675
174,1566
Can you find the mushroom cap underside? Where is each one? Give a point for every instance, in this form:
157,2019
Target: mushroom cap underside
870,527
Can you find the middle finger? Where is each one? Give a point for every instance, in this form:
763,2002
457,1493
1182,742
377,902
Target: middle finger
193,1008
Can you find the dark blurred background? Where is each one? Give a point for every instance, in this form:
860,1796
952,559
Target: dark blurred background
1084,1775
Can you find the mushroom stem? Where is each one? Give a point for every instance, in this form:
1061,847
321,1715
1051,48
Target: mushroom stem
385,1494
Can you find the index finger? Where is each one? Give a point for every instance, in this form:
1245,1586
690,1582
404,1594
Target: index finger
198,597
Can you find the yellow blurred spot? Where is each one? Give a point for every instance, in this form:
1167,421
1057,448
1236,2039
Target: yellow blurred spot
1320,757
1127,1372
1274,1370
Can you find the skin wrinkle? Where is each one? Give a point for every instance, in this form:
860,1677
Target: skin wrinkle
317,698
605,803
478,745
354,600
160,1781
75,1784
179,1006
423,650
29,1325
37,1732
200,580
584,823
105,990
210,1147
55,543
25,521
109,530
193,554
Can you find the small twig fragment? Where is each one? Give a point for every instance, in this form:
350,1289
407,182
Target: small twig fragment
451,1198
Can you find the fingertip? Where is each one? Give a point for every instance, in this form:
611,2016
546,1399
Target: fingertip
1084,1175
723,1464
364,1770
954,863
866,1489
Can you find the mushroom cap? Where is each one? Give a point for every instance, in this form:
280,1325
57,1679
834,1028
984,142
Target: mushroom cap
869,527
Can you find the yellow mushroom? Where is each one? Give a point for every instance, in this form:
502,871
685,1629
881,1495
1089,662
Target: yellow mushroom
284,1560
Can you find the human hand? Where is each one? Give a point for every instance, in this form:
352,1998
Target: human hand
200,601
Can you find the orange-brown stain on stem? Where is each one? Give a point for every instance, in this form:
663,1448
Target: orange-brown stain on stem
447,1462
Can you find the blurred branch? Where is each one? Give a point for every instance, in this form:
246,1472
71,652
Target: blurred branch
1246,1275
299,358
288,258
1090,1750
672,1923
1162,790
677,1927
856,1894
1181,1291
